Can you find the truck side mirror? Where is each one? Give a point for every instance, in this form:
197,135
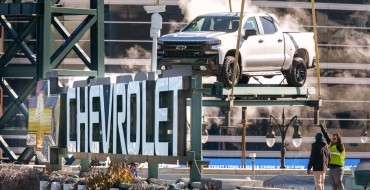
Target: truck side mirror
249,32
178,30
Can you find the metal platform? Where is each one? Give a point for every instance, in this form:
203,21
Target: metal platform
275,92
259,95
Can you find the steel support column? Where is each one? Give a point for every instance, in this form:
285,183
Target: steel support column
44,41
153,170
196,131
244,127
97,38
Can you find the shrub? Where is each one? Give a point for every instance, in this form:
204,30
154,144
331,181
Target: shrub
116,174
17,177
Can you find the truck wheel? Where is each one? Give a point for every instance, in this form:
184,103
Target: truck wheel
227,72
297,74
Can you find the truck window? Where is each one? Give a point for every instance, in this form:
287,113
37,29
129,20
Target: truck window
195,25
268,24
213,23
251,24
224,24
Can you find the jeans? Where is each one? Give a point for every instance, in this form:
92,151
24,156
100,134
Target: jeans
336,178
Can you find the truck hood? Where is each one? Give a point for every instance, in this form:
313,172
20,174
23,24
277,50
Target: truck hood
192,36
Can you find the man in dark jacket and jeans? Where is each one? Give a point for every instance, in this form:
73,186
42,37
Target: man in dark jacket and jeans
319,159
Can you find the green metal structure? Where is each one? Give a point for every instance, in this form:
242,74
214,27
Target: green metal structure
244,96
42,19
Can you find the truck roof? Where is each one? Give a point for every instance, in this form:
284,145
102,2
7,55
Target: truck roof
232,14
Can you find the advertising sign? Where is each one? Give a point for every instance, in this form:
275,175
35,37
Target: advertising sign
137,116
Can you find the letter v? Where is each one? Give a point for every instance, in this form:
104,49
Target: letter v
106,126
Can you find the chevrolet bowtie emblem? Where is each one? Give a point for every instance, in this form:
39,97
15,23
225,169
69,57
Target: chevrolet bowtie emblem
180,47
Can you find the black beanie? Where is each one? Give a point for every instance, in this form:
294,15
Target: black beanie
318,137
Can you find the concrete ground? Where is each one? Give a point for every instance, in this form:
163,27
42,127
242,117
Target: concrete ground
276,178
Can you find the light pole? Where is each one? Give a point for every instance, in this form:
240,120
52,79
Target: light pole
253,157
155,30
204,131
364,134
283,128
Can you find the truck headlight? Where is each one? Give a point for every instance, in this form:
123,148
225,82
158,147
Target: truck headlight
213,42
210,52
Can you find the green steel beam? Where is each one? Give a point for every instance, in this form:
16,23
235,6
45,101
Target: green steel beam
18,70
72,161
19,104
196,131
7,151
18,132
271,91
72,11
44,41
261,103
65,34
26,50
27,155
253,91
20,9
62,72
64,49
12,110
97,39
18,41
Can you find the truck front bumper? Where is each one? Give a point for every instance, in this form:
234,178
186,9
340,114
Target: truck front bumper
205,65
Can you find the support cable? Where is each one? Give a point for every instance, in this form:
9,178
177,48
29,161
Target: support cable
230,6
237,54
316,48
196,165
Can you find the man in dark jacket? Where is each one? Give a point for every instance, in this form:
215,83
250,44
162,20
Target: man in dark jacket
319,159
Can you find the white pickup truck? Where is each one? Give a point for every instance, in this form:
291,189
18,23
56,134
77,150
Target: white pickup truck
208,44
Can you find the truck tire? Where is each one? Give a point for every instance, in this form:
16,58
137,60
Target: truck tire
297,74
227,72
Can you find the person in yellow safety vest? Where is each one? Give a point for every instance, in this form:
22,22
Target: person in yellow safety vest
336,163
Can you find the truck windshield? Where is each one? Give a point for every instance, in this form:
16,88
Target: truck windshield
213,23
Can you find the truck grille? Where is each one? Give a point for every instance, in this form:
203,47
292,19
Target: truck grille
183,54
184,49
189,43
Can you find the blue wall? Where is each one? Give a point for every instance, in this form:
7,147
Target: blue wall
268,163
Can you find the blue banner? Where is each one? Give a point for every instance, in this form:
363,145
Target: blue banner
269,163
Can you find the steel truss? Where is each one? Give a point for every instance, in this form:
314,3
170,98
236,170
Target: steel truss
42,19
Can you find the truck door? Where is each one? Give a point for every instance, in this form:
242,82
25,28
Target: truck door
252,48
274,44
